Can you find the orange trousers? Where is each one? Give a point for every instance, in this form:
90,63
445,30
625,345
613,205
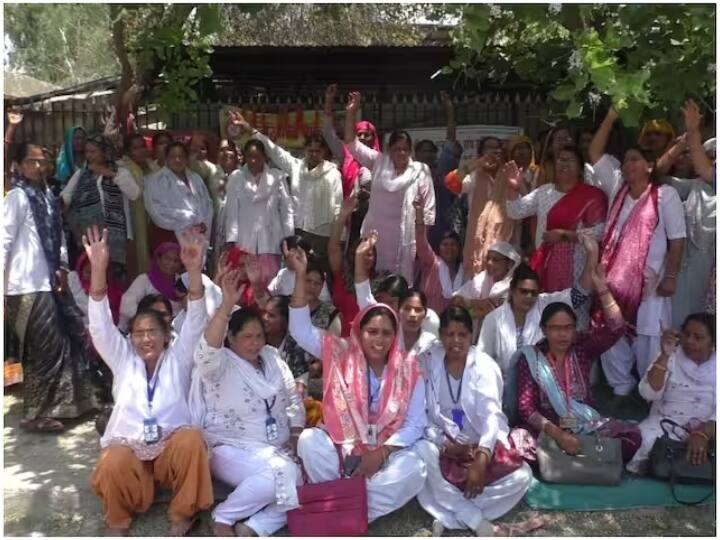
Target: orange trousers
126,485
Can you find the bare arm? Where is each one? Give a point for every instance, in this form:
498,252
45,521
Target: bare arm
602,135
666,161
217,327
701,163
350,112
335,254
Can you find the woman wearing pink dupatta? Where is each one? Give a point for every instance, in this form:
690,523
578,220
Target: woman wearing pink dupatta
642,251
373,405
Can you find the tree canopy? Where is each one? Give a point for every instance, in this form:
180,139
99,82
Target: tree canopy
646,58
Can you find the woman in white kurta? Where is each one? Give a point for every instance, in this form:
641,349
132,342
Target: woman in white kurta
464,391
259,210
681,386
645,224
149,438
516,323
397,180
382,386
176,198
244,397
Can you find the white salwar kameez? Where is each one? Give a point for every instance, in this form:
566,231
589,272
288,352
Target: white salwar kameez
229,399
404,474
480,391
688,393
655,311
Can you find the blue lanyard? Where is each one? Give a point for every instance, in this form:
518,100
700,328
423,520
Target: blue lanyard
151,389
268,406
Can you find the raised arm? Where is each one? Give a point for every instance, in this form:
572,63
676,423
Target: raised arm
602,135
110,344
328,125
701,163
451,129
363,290
281,157
301,328
592,251
597,342
335,252
364,155
14,120
667,160
652,385
425,253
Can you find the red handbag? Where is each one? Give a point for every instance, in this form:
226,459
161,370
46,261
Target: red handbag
504,461
335,508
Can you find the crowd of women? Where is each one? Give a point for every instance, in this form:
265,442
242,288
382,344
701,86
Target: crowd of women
385,313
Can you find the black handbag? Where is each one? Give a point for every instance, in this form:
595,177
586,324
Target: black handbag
668,462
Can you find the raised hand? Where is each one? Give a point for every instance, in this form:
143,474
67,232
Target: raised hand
446,99
692,115
223,267
669,340
231,289
349,205
590,244
96,248
295,259
612,113
599,278
330,93
514,175
237,120
14,117
353,104
192,249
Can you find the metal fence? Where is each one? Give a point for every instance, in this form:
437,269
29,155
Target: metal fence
46,121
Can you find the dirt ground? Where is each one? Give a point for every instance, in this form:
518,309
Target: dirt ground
47,493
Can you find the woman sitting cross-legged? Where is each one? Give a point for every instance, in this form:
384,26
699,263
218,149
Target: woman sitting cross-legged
553,385
373,405
149,438
467,426
516,323
681,385
243,395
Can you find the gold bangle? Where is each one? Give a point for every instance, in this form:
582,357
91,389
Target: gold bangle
196,293
659,367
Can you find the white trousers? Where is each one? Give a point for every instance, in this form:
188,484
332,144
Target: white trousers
391,488
254,494
448,504
618,362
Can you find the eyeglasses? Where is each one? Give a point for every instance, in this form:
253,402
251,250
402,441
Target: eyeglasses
151,333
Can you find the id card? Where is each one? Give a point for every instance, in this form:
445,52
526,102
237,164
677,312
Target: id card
372,434
458,416
151,431
271,429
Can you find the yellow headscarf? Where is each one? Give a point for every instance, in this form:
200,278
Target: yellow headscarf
520,139
659,125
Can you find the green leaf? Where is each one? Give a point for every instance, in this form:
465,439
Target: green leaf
574,110
565,92
209,16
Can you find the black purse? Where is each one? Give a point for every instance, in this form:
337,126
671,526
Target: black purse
668,462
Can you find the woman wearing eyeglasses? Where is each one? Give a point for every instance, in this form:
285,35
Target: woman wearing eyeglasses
516,323
149,438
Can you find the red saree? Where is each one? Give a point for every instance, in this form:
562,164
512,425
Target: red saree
584,206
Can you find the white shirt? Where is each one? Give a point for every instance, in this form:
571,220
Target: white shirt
258,213
213,299
174,206
169,406
26,270
309,338
671,226
79,294
138,290
123,180
234,413
316,194
283,284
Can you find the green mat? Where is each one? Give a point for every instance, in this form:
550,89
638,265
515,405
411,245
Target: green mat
631,493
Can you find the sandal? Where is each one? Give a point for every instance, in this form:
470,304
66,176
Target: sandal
44,425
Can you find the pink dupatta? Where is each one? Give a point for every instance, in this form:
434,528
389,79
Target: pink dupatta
351,168
345,382
625,251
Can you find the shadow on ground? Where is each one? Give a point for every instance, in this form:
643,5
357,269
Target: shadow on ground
47,493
